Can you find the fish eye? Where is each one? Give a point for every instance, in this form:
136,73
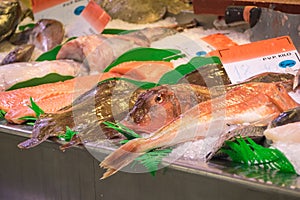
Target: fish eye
159,99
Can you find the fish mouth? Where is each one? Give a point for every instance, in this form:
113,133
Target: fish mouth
136,127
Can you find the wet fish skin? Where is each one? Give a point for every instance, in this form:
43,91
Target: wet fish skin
149,11
21,53
45,35
212,75
146,116
10,13
97,51
108,101
13,73
208,76
286,117
20,38
161,105
250,103
133,11
251,131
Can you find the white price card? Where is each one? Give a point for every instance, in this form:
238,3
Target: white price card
273,55
80,17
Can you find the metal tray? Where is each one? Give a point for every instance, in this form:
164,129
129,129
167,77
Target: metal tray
45,172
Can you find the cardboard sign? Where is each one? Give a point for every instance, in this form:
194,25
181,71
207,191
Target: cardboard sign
272,55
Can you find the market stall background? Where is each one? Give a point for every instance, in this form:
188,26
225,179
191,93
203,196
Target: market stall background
47,173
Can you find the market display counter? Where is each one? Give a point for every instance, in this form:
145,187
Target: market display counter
45,172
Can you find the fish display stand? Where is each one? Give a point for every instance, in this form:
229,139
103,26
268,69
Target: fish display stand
45,172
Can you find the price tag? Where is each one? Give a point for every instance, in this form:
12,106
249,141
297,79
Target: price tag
194,46
272,55
80,17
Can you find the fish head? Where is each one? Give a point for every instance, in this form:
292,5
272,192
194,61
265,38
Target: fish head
153,109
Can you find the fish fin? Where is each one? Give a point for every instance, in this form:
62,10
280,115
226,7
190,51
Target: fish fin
108,173
265,121
27,144
123,156
74,141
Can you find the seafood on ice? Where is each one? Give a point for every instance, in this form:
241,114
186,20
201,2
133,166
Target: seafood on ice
162,104
50,97
15,102
97,51
13,73
250,103
107,101
284,134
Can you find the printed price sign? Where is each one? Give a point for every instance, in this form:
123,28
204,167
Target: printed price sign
272,55
80,17
195,46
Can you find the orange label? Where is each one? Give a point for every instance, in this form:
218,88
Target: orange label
219,41
39,5
255,49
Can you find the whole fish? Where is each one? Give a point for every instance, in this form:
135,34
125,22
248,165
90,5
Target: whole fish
149,114
251,103
45,35
13,73
10,13
108,101
214,75
161,105
21,53
97,51
53,96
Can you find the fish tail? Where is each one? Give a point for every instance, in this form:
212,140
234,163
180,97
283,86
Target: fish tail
27,144
123,156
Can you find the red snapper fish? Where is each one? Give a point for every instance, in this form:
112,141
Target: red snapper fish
250,103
